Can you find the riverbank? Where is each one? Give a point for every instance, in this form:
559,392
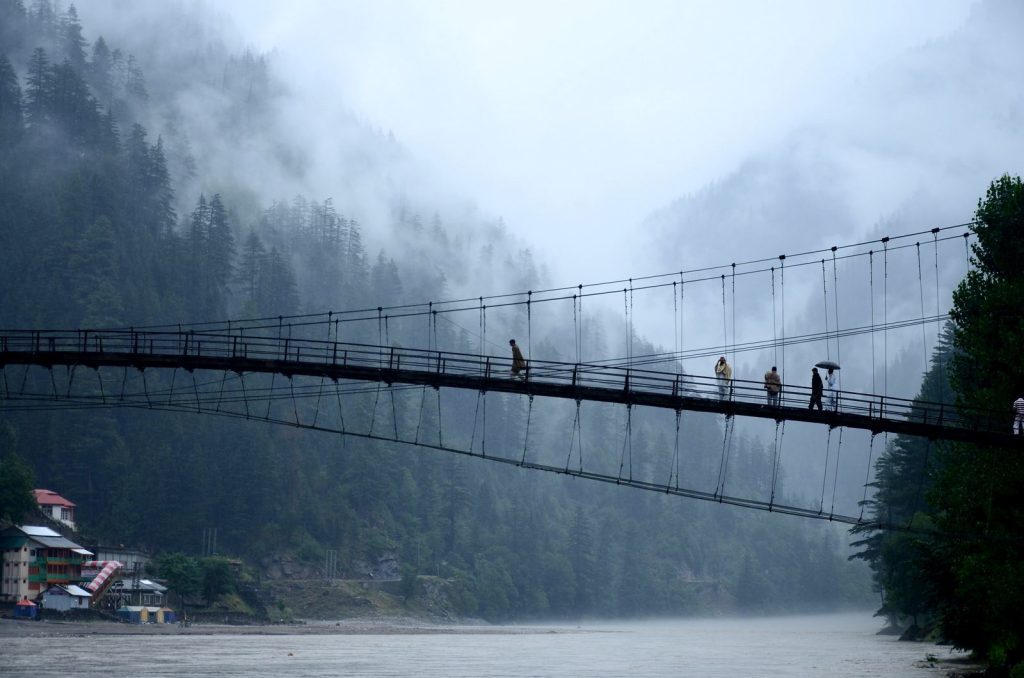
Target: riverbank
408,626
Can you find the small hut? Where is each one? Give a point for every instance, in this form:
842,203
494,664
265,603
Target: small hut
130,614
25,609
66,597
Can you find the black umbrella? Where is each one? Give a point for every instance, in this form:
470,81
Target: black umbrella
827,365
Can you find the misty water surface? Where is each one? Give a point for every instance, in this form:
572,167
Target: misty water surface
835,645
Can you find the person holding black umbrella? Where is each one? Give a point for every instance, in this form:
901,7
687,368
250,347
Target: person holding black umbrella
833,402
816,389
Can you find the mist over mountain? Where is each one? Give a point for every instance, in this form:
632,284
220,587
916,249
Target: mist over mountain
251,130
915,140
906,147
156,172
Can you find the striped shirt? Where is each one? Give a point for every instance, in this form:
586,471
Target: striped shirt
1018,407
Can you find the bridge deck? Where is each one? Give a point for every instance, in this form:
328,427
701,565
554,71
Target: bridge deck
583,382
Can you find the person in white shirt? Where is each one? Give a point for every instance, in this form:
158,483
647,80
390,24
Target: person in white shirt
830,383
1018,416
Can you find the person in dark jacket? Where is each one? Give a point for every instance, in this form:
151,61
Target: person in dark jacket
817,387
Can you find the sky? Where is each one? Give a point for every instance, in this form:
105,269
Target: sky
575,120
620,140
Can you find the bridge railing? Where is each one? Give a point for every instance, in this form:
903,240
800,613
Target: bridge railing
388,361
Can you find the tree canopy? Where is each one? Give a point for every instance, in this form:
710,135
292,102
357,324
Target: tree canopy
964,574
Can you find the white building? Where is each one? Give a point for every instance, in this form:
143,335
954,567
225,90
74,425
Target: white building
56,507
67,597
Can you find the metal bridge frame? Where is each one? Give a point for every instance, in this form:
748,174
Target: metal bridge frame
255,352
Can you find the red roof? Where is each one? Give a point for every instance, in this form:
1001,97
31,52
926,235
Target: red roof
51,498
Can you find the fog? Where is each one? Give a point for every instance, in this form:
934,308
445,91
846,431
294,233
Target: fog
573,121
618,141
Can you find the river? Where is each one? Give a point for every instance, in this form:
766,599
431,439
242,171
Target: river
837,646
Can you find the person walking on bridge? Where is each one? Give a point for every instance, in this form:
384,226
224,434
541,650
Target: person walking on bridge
1018,416
816,389
518,361
723,372
833,397
773,386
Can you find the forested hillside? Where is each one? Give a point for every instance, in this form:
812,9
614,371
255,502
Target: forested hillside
959,576
112,216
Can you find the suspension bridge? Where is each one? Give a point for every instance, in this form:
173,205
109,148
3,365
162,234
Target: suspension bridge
234,352
311,346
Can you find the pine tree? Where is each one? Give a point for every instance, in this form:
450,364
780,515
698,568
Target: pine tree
150,196
73,108
10,105
250,266
38,88
13,27
72,42
904,476
977,575
44,22
138,158
199,286
220,246
135,81
278,291
96,286
162,214
100,71
384,281
354,267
